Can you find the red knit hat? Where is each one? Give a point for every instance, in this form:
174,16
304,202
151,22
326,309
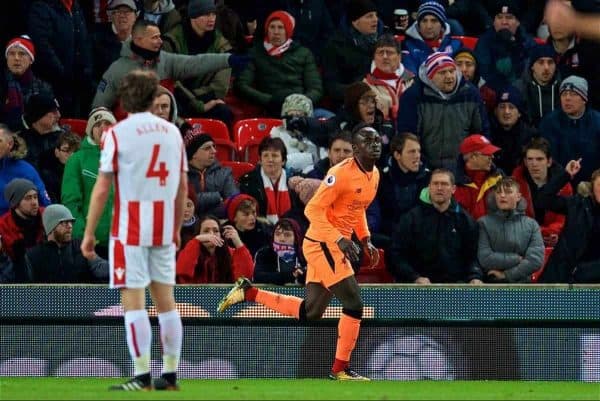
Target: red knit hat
289,22
25,43
233,202
437,61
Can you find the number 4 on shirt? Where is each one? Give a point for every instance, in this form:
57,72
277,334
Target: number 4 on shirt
157,169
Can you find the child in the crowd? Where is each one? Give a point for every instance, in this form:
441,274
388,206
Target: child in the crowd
282,261
191,224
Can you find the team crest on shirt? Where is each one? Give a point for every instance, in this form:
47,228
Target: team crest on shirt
330,180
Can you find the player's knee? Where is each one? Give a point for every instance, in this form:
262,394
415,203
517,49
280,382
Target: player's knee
355,313
311,312
302,313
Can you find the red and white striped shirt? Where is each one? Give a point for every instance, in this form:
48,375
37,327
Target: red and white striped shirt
147,157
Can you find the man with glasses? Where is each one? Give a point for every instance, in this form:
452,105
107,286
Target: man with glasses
52,163
59,258
478,175
108,38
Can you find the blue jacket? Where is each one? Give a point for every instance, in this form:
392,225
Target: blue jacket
418,50
573,139
501,63
12,166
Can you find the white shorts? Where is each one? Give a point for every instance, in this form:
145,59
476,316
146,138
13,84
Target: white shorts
136,266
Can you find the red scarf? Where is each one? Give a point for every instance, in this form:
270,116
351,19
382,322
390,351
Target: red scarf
434,44
277,51
381,78
278,200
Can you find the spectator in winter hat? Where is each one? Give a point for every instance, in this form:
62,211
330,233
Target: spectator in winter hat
429,33
21,227
282,262
279,67
108,38
42,115
255,232
503,50
211,182
574,130
12,152
80,176
301,151
348,53
540,84
441,108
20,83
467,63
59,259
509,129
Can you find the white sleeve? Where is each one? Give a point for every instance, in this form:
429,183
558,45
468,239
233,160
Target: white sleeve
108,150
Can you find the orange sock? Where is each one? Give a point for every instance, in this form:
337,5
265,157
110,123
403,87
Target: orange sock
348,328
284,304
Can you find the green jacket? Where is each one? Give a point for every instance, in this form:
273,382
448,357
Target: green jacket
267,78
193,89
79,178
168,66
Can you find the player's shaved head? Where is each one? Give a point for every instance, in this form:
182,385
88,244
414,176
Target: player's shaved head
360,129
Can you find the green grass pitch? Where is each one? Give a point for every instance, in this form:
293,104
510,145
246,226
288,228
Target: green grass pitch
48,388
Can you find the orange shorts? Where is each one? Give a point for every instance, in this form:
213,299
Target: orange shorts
326,264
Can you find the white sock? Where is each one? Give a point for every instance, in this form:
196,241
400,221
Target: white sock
171,337
139,340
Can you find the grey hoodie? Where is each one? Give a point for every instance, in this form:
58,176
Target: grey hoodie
510,241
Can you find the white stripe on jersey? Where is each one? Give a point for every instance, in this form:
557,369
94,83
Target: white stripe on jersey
147,156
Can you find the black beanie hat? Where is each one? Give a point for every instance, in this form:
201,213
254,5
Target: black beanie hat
357,8
194,142
38,106
16,189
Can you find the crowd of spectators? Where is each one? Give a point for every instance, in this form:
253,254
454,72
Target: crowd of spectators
490,169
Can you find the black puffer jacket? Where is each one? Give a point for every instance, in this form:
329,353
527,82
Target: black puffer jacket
567,262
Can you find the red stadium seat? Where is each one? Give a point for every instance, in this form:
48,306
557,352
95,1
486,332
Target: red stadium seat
238,168
242,109
468,41
249,132
75,125
226,150
535,276
377,274
215,128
